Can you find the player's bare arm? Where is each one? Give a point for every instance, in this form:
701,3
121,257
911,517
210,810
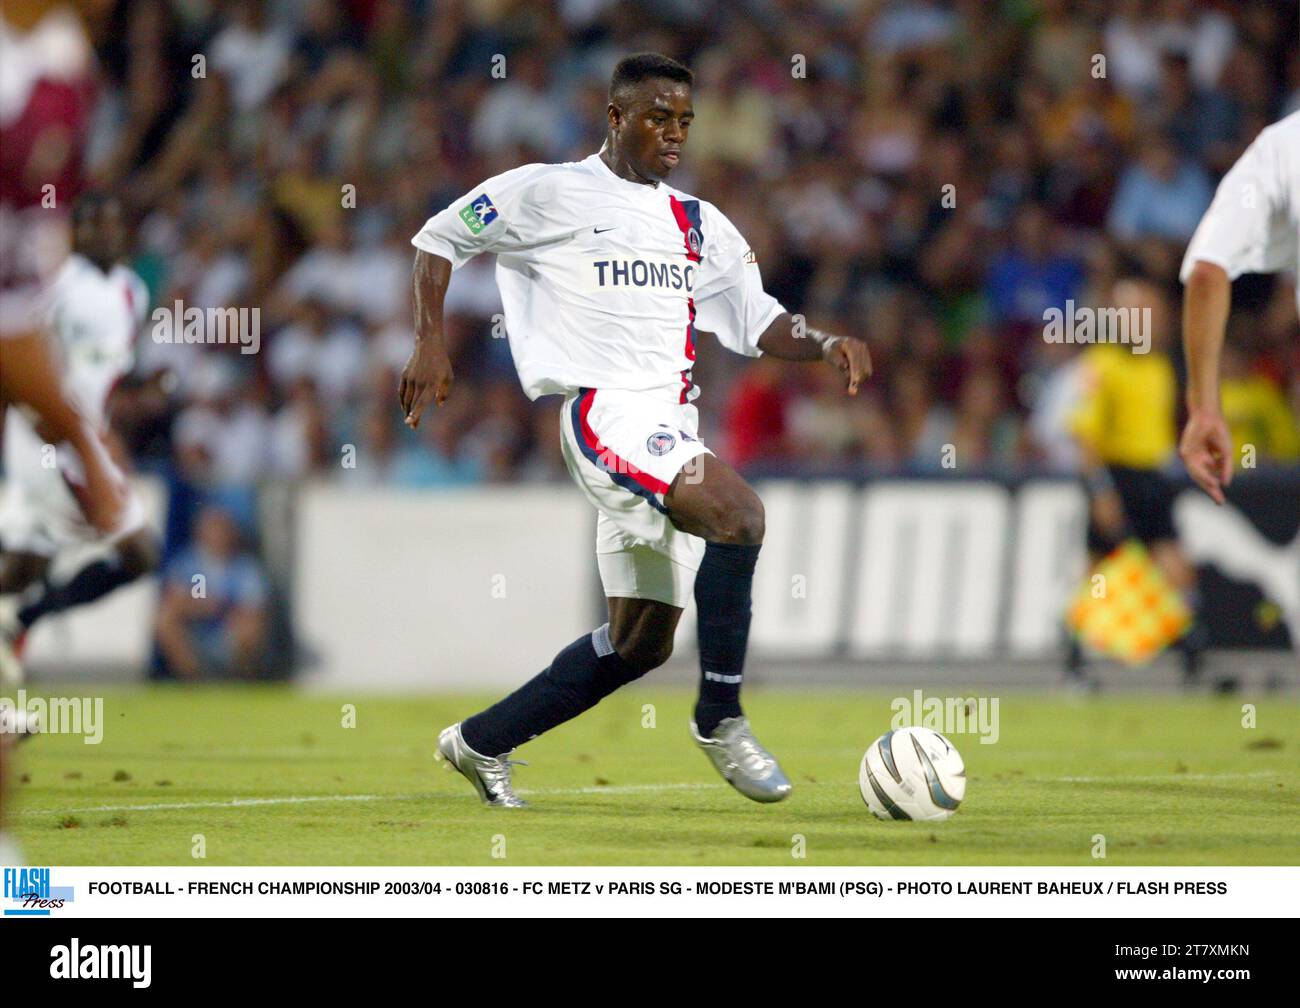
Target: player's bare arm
428,374
1206,446
786,339
30,377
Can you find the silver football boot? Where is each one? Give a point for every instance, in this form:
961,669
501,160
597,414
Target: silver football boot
489,775
743,763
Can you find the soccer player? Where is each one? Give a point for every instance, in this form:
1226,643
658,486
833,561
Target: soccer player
1252,226
606,272
96,306
1126,434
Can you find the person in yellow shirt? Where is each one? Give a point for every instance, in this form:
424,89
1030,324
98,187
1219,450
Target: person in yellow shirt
1125,428
1256,412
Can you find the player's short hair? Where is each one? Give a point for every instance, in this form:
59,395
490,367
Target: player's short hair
632,70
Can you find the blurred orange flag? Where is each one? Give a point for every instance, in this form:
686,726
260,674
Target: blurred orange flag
1126,609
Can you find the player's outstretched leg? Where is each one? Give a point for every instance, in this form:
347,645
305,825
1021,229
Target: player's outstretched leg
29,375
638,638
712,501
18,570
133,557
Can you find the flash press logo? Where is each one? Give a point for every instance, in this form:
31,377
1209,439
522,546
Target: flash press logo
75,961
179,324
948,715
29,892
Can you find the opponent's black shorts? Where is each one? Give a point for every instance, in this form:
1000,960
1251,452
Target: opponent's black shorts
1148,499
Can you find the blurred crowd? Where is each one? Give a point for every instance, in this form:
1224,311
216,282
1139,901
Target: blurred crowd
931,176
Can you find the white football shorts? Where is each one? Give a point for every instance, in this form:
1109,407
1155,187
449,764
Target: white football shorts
624,449
38,512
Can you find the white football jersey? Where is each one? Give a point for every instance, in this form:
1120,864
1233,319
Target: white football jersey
1253,225
604,281
94,317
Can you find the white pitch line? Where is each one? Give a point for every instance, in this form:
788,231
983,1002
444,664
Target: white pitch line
233,803
306,799
594,789
1154,778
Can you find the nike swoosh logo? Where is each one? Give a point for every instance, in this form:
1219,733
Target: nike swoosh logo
603,230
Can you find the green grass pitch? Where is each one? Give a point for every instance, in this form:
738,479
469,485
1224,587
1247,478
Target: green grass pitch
270,776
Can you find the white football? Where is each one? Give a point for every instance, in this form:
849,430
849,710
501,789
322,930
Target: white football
912,773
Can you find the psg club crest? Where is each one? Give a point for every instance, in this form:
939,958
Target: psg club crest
693,241
660,443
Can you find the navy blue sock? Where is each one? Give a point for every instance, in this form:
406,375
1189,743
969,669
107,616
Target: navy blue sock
582,675
723,589
93,581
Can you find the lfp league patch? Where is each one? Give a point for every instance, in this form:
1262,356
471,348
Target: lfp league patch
478,214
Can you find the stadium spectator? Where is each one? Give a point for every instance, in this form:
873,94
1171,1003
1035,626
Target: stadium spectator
252,53
438,460
756,414
1256,410
1163,195
1034,274
877,184
212,618
925,426
984,433
1201,122
327,350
